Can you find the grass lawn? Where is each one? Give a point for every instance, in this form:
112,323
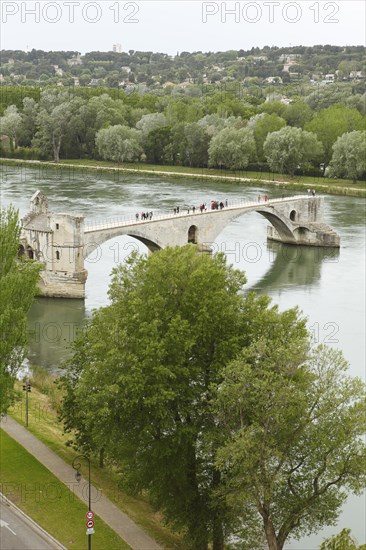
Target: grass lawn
324,185
43,423
33,488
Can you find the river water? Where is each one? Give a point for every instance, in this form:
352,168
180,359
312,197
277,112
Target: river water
327,285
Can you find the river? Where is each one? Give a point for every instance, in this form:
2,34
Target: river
327,285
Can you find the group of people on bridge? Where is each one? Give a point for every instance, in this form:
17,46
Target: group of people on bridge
215,205
144,216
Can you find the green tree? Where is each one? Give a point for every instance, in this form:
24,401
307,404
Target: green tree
29,122
150,122
92,115
18,285
156,143
232,148
119,143
349,159
294,429
342,541
290,149
329,124
263,125
10,124
55,114
273,107
298,114
194,148
154,359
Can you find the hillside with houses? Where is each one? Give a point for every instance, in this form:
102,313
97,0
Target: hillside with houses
137,70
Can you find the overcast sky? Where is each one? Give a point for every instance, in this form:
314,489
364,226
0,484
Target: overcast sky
173,26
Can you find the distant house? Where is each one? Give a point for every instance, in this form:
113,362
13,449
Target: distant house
356,75
75,60
289,57
217,68
329,77
274,80
76,81
58,70
126,68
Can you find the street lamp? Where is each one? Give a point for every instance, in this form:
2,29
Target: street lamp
27,389
76,464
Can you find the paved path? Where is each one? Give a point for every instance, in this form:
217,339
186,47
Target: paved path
103,507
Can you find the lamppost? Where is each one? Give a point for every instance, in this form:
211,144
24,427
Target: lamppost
76,464
27,389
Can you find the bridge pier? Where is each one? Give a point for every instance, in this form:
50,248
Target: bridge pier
57,241
303,224
316,234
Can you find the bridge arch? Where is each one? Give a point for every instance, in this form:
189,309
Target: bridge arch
279,223
193,234
92,243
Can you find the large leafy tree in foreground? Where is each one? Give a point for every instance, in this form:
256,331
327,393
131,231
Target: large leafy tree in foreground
164,378
293,448
18,285
143,376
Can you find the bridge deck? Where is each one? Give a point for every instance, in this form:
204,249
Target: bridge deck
114,223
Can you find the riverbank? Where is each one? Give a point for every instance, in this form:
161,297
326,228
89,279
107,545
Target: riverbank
270,179
45,426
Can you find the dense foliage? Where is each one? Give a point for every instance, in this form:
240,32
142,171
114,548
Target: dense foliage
18,285
211,400
220,132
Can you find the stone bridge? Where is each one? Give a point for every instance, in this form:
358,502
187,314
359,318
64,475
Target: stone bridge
62,241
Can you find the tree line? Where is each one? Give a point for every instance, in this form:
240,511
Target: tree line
217,131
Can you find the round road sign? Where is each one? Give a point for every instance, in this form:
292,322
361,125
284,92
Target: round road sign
90,523
89,515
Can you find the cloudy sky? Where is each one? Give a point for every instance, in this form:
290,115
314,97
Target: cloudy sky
179,25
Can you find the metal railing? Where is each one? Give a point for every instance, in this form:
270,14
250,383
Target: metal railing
112,223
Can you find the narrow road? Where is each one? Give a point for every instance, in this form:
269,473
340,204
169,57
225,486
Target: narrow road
19,532
102,506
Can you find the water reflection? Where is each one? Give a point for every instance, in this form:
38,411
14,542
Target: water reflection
53,324
294,266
